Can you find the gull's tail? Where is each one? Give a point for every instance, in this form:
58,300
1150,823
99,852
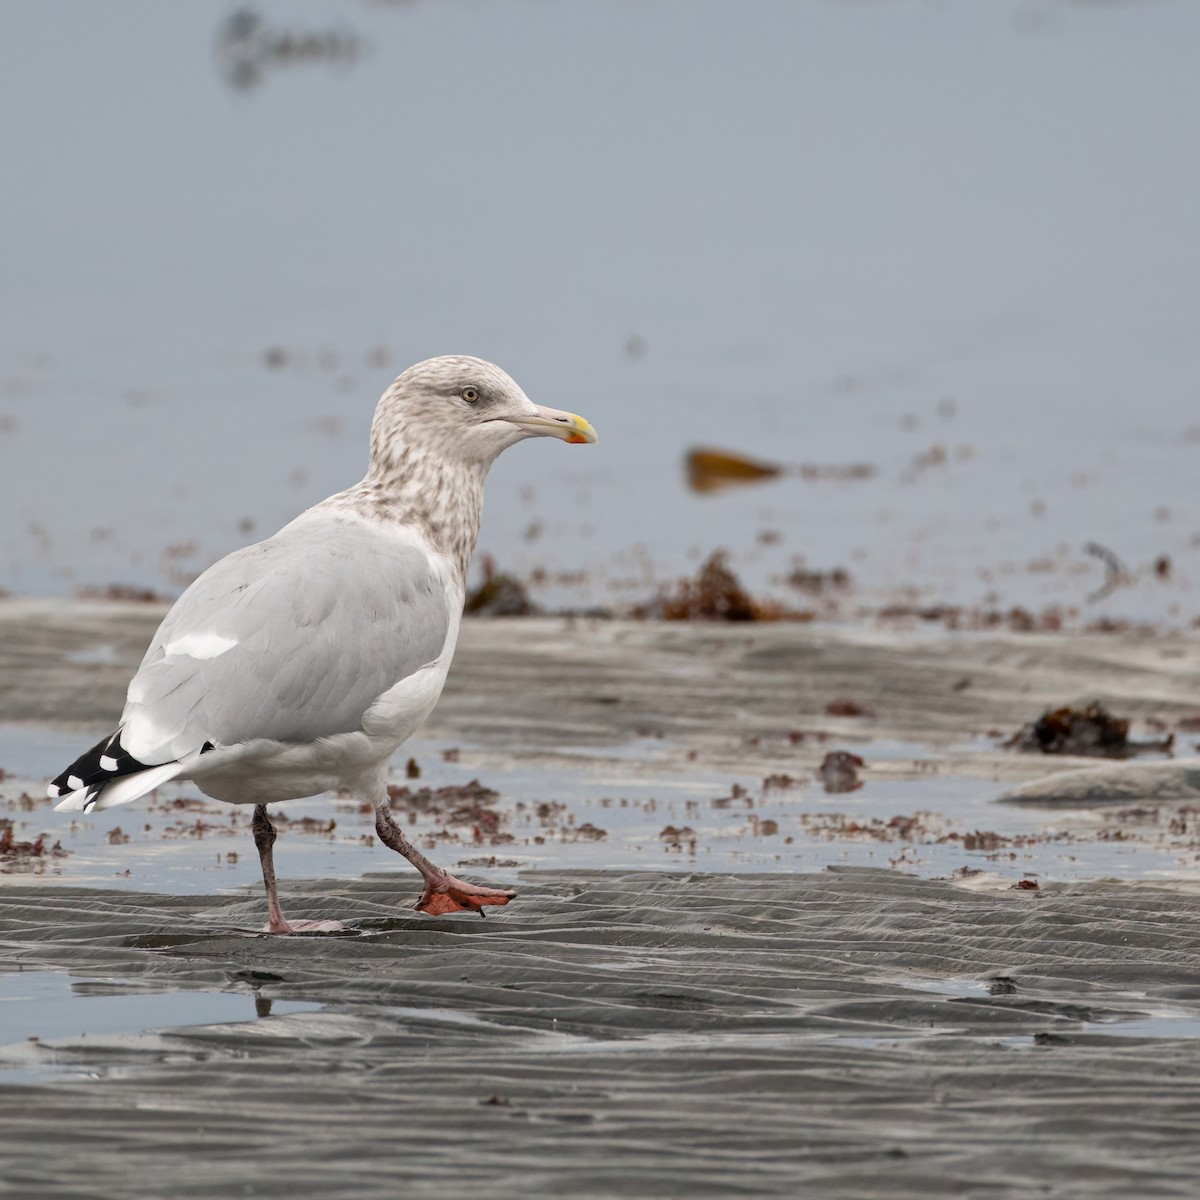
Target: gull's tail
107,775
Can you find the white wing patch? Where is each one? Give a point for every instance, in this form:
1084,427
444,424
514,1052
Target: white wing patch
200,645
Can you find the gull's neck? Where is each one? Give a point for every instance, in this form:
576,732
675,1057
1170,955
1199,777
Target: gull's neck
440,498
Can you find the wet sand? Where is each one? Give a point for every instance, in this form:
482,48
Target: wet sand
845,1033
850,1034
731,696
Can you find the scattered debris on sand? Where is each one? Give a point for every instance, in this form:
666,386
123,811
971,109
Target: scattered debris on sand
587,832
918,827
182,804
737,794
780,782
316,825
123,593
199,828
819,583
463,812
25,856
438,800
1091,731
976,619
839,770
679,838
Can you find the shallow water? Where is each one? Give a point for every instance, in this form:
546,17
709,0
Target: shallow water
53,1005
37,1006
590,811
818,233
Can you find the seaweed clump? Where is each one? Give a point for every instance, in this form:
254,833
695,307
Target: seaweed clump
712,470
1092,731
716,594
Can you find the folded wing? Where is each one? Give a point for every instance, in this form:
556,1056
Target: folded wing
291,639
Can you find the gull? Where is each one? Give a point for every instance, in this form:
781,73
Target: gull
300,664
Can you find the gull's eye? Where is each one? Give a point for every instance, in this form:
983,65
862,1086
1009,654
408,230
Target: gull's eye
470,394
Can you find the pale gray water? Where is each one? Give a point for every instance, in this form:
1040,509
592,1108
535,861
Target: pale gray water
837,232
44,1006
585,816
53,1006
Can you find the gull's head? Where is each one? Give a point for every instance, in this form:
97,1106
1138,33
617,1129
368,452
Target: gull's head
463,410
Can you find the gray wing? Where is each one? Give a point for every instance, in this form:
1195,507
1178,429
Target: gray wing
292,639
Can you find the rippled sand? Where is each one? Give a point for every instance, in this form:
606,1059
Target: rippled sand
841,1032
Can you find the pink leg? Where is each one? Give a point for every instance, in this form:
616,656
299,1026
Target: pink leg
443,892
264,839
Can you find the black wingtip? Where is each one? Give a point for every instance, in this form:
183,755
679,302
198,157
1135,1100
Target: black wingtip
104,762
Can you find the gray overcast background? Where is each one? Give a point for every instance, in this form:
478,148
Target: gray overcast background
836,231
